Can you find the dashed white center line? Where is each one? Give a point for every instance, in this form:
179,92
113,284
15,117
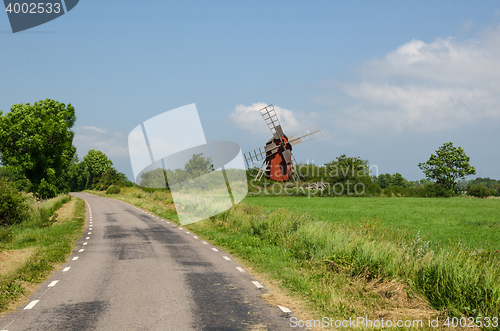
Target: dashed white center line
84,244
226,258
87,238
31,304
187,232
195,237
215,249
180,228
75,258
89,233
81,250
90,229
240,269
256,283
66,269
284,309
53,283
205,243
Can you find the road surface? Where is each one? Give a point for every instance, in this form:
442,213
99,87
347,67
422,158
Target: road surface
135,271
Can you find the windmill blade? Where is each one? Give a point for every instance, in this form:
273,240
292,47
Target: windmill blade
258,154
287,154
272,121
309,134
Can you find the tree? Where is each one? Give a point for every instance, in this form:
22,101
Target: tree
351,175
198,165
96,163
449,164
384,180
398,180
36,143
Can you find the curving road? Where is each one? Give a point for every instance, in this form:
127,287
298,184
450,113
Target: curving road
135,271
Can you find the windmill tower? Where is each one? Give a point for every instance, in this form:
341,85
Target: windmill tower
279,163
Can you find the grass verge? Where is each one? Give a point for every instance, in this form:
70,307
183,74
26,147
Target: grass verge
41,242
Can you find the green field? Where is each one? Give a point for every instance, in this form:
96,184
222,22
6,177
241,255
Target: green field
474,222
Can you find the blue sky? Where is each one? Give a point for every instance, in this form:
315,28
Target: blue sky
387,81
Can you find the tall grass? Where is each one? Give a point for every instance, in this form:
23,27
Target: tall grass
454,279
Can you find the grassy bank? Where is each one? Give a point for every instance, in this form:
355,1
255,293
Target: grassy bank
472,222
349,269
32,249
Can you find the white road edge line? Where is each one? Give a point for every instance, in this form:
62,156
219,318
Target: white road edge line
84,244
205,243
215,249
226,258
256,283
87,238
81,250
195,237
75,258
240,269
66,269
31,304
53,283
284,309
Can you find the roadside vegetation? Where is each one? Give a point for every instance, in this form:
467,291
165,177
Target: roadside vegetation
32,246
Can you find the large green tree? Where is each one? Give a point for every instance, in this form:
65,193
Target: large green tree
36,142
95,163
447,165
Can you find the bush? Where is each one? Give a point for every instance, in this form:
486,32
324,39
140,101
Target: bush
13,207
46,190
113,190
479,191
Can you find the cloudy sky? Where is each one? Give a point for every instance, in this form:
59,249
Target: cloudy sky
389,82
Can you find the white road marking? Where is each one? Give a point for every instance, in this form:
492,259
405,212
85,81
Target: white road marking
87,238
195,237
205,243
256,283
215,249
84,244
53,283
240,269
31,304
90,229
284,309
226,258
66,269
81,250
180,228
89,233
75,258
187,232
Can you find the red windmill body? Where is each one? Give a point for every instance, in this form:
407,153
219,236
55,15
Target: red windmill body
277,153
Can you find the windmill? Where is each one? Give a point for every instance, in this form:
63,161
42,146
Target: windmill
279,162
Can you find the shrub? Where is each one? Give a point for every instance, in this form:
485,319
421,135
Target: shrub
13,207
479,191
113,190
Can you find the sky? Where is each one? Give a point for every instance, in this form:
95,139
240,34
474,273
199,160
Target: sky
388,81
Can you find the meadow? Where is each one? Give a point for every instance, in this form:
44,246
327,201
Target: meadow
470,221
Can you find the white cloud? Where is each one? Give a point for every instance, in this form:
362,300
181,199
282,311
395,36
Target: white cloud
249,118
94,128
427,86
113,144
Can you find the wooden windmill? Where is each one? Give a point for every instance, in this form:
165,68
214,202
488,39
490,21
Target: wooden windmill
279,163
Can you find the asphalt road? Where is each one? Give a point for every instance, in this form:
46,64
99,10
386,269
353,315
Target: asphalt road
135,271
